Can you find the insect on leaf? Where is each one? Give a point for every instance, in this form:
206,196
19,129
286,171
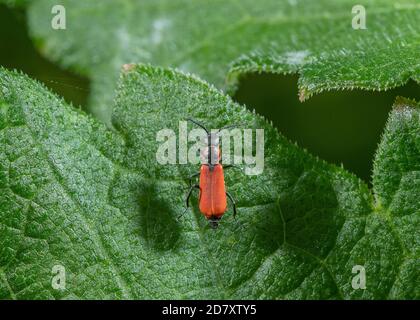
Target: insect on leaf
95,202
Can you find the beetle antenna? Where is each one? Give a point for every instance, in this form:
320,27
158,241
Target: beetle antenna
198,124
228,127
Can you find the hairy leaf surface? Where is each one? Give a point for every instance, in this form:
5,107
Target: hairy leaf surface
222,39
95,201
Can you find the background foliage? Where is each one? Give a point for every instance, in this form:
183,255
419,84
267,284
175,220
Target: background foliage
310,221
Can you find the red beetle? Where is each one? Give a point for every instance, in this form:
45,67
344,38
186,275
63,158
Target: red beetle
213,195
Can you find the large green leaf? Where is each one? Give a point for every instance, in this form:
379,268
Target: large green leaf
95,201
221,39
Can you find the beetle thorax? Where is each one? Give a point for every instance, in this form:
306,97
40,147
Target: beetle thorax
211,153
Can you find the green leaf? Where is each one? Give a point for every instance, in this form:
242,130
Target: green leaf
95,201
220,40
396,179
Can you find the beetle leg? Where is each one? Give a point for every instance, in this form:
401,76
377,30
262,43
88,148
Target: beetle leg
192,177
233,203
187,199
231,166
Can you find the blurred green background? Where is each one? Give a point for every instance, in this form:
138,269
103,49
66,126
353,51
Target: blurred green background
340,127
